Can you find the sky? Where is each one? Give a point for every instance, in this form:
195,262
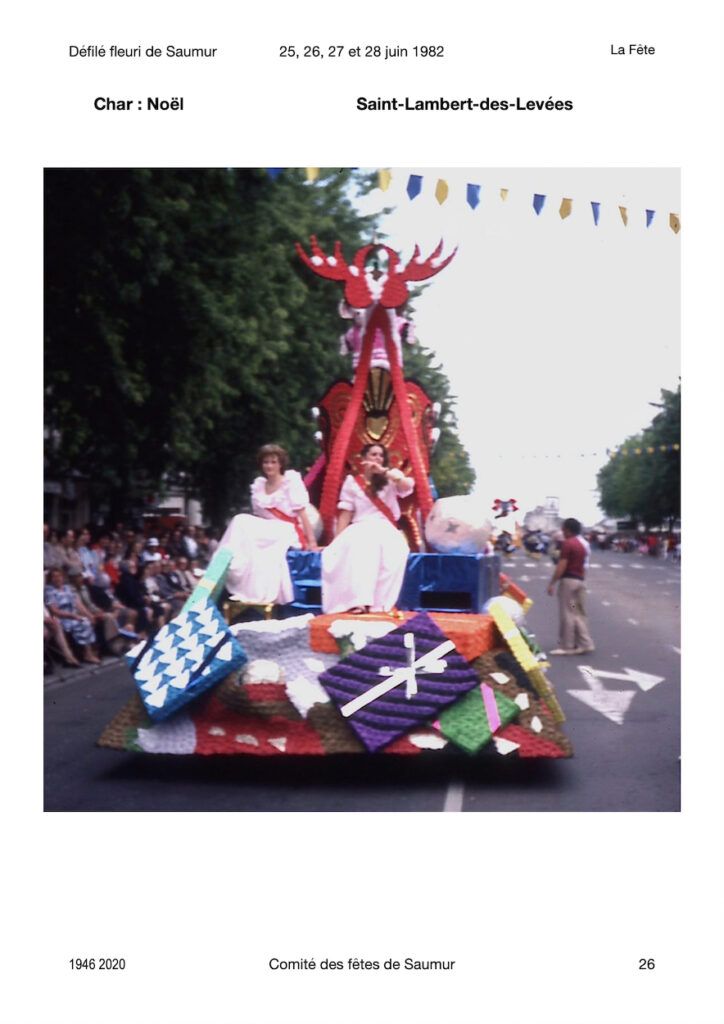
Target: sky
555,334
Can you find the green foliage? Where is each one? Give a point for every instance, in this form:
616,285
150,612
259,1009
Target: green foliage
450,467
182,331
647,487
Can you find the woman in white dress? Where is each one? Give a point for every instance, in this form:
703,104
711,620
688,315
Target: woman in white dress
258,573
364,566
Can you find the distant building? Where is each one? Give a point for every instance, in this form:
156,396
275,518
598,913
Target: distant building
544,517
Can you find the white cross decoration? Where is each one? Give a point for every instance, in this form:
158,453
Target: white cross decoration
431,662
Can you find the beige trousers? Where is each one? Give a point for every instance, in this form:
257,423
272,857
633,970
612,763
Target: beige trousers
573,625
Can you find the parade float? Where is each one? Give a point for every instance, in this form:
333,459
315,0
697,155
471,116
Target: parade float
451,668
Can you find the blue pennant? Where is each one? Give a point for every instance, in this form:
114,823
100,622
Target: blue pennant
596,207
538,203
274,172
414,185
650,214
473,196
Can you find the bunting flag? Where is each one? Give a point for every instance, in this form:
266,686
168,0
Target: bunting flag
473,196
611,453
274,172
649,450
414,185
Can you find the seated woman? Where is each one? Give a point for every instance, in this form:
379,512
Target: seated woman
363,567
259,573
63,603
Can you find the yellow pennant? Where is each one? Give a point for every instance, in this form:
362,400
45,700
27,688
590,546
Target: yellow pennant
503,194
565,210
312,173
441,191
624,214
384,178
674,223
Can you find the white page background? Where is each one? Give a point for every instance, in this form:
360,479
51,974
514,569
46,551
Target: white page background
198,903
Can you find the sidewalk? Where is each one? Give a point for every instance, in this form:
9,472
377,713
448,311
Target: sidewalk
63,674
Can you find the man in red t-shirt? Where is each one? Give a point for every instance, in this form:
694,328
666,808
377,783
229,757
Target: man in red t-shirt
570,573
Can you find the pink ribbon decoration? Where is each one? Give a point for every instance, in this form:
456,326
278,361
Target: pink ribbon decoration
491,708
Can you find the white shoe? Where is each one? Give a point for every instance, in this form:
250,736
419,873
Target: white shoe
564,650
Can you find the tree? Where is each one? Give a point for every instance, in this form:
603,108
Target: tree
181,329
645,483
450,465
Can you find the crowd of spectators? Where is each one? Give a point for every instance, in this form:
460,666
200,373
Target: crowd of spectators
106,590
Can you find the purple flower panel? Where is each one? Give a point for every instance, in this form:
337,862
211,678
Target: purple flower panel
391,715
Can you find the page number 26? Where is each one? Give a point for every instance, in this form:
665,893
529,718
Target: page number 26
646,965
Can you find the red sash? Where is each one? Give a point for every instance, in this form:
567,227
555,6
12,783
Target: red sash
294,520
376,501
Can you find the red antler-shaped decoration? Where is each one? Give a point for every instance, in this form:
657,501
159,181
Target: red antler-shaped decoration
359,289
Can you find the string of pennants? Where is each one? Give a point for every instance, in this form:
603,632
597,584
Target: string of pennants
648,450
612,453
415,184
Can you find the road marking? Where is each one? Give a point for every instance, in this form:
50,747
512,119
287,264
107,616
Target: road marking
529,565
606,603
612,704
644,680
595,565
637,566
634,622
524,579
454,796
615,565
677,649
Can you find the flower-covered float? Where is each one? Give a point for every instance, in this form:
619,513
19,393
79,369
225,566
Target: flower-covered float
450,668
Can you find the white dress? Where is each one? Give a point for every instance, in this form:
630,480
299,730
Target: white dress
365,564
258,573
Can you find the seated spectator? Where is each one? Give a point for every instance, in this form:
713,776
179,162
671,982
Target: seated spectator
54,642
88,557
186,573
63,603
71,558
151,551
131,592
176,547
105,619
150,576
112,564
53,556
170,585
190,544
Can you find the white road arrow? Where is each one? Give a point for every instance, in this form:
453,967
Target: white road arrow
612,704
643,680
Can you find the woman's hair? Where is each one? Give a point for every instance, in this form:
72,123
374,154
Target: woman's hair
272,449
377,482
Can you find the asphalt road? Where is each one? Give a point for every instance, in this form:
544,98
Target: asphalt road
625,731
